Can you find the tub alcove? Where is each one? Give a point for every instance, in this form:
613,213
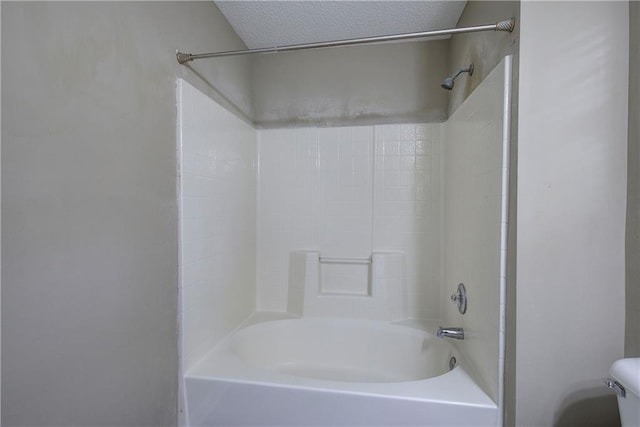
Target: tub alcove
317,264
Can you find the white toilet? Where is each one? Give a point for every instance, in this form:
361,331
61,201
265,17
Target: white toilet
626,382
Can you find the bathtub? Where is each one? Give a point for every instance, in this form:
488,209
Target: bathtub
333,372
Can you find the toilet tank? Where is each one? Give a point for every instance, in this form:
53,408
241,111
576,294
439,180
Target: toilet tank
627,373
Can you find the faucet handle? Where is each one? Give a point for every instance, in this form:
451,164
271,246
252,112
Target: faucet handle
460,298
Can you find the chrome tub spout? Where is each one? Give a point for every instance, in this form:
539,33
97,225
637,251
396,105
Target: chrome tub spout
457,333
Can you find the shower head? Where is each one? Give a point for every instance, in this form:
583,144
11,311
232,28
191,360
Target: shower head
448,82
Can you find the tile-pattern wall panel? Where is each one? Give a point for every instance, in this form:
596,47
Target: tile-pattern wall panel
288,206
218,217
407,193
345,206
347,192
474,167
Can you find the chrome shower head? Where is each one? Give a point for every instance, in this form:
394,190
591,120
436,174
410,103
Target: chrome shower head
449,81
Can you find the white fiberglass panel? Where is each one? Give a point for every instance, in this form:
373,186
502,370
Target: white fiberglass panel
347,192
476,143
217,221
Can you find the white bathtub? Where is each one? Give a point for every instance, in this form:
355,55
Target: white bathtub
334,372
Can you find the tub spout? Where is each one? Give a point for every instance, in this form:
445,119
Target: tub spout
457,333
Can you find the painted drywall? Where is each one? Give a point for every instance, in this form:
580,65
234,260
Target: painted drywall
632,328
484,49
347,192
572,156
391,83
0,237
473,195
89,242
217,222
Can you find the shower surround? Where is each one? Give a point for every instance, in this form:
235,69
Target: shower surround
346,193
431,194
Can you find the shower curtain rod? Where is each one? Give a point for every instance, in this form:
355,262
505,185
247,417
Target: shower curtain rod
506,25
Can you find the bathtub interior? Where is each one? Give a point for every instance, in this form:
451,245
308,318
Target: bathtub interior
343,350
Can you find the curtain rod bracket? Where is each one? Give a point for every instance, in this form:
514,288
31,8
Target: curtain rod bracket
183,58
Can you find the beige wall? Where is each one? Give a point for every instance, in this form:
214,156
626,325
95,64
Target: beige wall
89,242
484,49
391,83
632,341
383,83
572,154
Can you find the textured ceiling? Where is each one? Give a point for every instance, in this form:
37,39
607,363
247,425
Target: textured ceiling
278,23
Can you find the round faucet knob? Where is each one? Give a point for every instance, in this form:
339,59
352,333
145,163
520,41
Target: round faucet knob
460,298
